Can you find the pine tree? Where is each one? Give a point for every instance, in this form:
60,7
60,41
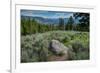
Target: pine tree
70,23
83,20
61,23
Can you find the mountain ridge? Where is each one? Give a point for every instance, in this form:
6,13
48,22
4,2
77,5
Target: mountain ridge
43,20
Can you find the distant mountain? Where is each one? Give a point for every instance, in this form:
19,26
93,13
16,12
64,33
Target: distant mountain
49,20
46,20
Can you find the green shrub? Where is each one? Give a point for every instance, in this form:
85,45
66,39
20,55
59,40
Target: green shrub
35,47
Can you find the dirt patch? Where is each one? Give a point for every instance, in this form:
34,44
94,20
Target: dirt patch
57,58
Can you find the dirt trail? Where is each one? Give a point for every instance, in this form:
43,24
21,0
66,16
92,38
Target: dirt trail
57,58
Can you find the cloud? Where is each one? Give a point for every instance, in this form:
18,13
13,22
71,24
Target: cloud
46,14
63,15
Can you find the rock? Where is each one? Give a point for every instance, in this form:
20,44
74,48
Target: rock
58,47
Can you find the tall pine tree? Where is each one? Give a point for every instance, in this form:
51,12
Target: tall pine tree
70,23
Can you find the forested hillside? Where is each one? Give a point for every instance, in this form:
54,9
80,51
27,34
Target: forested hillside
30,25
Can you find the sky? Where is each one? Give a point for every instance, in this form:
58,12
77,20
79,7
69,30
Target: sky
46,14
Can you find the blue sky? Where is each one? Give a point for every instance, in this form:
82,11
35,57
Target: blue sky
46,14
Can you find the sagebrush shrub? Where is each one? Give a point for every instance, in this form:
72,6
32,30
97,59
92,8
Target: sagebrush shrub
35,47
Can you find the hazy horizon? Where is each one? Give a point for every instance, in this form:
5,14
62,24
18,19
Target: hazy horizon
46,14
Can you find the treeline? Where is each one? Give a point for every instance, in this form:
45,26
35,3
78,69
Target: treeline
31,26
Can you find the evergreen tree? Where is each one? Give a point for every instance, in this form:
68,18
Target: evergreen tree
83,20
70,23
61,23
